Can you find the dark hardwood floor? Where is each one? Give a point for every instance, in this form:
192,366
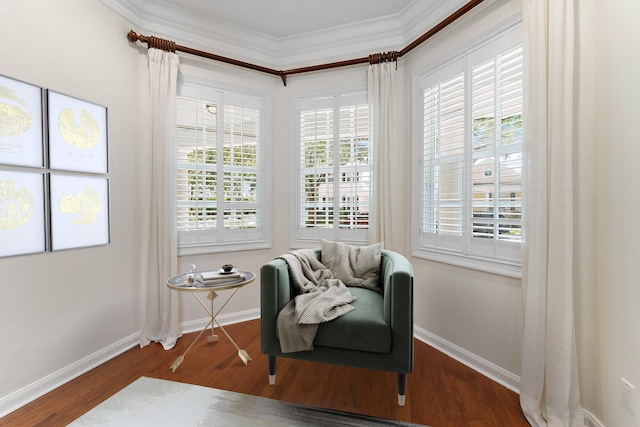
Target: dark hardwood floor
441,392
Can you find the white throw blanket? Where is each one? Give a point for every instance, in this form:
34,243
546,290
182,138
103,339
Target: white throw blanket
319,298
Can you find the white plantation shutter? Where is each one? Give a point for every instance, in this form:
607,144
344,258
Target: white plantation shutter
355,167
471,158
316,167
196,166
219,174
241,184
334,168
497,147
444,138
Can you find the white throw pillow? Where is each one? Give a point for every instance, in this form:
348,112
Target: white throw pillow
353,265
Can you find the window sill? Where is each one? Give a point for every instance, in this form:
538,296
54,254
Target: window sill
201,249
503,268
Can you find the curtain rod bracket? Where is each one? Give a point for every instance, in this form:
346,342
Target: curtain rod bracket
377,58
152,41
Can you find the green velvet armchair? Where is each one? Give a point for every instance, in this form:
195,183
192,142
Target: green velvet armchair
377,334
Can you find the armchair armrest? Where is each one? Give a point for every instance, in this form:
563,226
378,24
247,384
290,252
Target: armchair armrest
397,284
275,293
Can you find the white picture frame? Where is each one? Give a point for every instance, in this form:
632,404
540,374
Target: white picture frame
23,221
78,139
21,124
79,210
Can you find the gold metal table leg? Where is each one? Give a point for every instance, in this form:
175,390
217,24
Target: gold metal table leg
242,354
180,358
213,337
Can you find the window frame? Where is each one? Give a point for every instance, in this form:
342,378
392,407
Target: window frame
221,239
508,33
310,237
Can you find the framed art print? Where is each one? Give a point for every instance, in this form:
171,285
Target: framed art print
79,209
22,213
21,135
77,134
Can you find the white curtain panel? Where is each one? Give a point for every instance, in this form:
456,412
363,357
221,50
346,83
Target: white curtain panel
549,388
159,257
380,84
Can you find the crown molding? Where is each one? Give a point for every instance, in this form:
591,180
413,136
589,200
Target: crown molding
416,19
126,9
334,44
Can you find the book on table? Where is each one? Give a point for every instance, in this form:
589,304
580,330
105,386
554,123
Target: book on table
217,277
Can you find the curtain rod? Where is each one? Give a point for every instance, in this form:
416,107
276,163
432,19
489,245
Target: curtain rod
156,42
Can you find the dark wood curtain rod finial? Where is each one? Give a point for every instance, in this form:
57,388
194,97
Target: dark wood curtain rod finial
152,41
132,36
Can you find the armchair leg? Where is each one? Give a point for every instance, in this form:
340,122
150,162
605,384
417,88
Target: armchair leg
402,388
272,370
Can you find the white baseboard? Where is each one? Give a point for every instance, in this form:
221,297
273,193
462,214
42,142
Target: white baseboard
591,420
224,319
31,392
486,368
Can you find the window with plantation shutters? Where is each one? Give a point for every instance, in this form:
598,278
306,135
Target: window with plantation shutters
334,168
220,184
470,158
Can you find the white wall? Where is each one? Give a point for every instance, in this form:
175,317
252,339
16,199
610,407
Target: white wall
586,199
59,308
612,38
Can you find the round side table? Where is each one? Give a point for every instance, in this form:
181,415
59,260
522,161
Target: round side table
179,283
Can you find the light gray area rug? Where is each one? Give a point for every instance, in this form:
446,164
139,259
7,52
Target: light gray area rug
158,403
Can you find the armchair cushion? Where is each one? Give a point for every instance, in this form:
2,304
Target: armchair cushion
347,331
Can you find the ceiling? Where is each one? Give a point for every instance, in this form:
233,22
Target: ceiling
287,33
288,18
